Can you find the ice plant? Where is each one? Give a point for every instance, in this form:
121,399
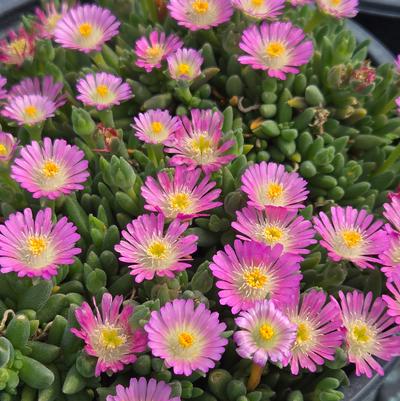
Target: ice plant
339,8
278,48
108,335
392,214
199,142
49,17
153,250
102,90
143,390
32,101
86,28
300,2
275,226
318,331
3,90
398,104
8,145
152,50
369,332
184,195
390,258
393,301
51,169
268,184
351,235
260,9
155,126
35,246
200,14
250,272
17,48
188,338
185,64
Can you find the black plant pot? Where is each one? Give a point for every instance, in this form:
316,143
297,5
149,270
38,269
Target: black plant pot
387,8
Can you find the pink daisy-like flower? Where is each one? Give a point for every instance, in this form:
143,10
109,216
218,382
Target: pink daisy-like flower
278,48
260,9
35,247
181,196
188,338
86,28
392,214
19,46
398,104
264,334
318,331
275,226
296,3
251,272
153,50
3,90
108,336
8,145
369,332
48,18
153,251
393,304
155,126
32,101
351,235
268,184
102,90
141,390
185,64
339,8
390,258
199,143
200,14
397,63
50,170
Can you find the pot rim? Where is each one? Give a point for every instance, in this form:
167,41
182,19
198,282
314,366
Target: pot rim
383,8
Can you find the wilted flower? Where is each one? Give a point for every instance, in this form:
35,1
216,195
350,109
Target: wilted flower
363,77
260,9
199,142
200,14
19,47
108,336
339,8
36,247
86,28
185,64
8,145
157,47
188,338
49,17
102,90
50,170
278,48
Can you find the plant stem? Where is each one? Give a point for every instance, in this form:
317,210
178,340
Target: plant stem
106,117
35,131
255,376
314,21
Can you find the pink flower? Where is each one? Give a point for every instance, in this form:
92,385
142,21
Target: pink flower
19,47
182,195
185,64
153,50
351,235
397,63
278,48
3,90
393,304
48,19
86,28
199,143
200,14
369,332
36,247
8,146
390,258
398,104
339,8
50,170
251,272
108,336
267,184
300,2
392,214
260,9
188,338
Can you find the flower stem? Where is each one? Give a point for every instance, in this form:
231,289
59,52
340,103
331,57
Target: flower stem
314,21
106,117
35,131
255,376
155,153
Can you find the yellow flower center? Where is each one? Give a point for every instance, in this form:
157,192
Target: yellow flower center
351,238
361,333
202,144
102,90
180,201
3,150
272,234
183,69
157,127
275,49
18,46
85,29
31,111
111,338
200,6
36,245
336,2
256,3
50,168
154,51
185,339
274,191
157,250
266,331
303,333
255,278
